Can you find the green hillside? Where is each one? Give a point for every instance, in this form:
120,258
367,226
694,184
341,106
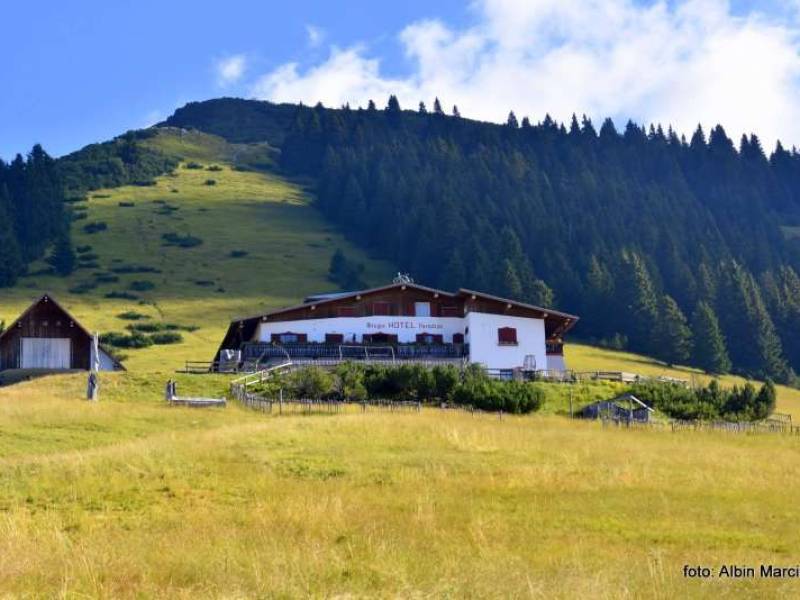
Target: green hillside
261,245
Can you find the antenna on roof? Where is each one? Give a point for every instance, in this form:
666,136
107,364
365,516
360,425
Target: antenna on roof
402,278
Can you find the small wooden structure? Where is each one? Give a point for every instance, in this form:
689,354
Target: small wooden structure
171,395
47,337
622,408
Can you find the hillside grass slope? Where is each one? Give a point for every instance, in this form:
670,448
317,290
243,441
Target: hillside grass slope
284,245
132,498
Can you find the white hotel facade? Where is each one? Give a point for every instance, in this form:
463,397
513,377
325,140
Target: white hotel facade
405,321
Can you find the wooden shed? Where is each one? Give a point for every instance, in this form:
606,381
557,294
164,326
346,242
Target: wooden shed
622,408
47,337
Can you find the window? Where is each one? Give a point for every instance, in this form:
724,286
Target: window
380,338
507,336
450,311
429,338
334,338
458,338
422,309
289,338
381,308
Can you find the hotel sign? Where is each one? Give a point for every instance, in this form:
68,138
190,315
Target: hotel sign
406,324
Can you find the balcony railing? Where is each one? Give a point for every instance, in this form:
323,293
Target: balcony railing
263,351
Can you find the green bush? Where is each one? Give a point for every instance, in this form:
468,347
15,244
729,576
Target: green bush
211,182
311,382
710,402
142,286
95,227
166,337
105,278
183,241
121,340
121,296
132,315
126,269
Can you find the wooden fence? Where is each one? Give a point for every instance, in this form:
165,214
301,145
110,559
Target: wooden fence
281,406
779,423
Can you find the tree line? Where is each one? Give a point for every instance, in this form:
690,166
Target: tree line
33,219
682,249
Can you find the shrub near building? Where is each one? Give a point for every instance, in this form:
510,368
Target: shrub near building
352,382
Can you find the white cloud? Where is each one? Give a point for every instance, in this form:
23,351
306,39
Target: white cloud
677,63
315,35
230,69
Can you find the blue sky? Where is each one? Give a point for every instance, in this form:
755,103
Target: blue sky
79,72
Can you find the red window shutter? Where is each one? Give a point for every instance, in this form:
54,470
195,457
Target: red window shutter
507,335
458,338
334,338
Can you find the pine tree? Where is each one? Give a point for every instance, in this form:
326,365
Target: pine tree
11,265
764,404
512,120
710,353
437,107
675,337
639,299
63,258
541,295
455,112
371,106
393,106
422,110
512,287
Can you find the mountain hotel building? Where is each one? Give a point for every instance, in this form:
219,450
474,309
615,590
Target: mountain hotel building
403,322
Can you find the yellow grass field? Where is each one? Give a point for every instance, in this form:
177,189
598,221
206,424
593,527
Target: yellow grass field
132,498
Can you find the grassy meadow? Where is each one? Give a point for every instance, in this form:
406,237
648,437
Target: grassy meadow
129,497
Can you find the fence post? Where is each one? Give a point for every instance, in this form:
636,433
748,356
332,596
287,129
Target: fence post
280,401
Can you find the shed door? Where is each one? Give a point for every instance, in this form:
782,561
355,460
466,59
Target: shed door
45,353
